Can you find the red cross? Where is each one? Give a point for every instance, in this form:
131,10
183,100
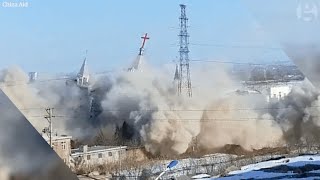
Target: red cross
145,37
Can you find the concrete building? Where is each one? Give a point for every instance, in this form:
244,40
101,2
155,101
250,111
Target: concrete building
273,90
279,92
82,82
33,76
62,146
95,155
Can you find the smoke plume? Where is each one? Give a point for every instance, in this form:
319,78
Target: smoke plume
298,115
143,105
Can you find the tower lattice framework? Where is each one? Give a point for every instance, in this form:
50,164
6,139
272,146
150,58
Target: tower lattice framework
184,85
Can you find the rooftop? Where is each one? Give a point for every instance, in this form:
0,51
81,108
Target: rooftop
98,148
61,137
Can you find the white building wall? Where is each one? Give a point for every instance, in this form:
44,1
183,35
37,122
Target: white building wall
279,92
62,146
102,156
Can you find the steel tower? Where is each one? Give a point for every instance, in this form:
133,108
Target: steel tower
184,85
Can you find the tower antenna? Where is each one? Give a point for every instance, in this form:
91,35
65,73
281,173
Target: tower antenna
184,67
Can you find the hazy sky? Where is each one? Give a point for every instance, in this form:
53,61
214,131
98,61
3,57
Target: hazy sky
52,36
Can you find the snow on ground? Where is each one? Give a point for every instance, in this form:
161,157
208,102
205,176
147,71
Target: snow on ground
200,176
186,166
307,167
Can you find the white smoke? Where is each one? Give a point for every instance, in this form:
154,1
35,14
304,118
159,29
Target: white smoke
298,115
13,82
146,99
168,123
4,173
70,103
235,121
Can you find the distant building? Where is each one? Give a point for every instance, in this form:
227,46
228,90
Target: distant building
278,92
62,146
274,90
98,154
82,81
33,76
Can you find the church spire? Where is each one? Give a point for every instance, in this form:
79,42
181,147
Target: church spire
176,74
176,79
136,65
83,75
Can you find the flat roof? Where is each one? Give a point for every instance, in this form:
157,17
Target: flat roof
93,149
62,137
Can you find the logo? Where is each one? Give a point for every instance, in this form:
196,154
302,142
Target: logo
21,4
307,10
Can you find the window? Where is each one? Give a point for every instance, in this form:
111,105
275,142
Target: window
110,153
122,152
100,155
63,144
88,157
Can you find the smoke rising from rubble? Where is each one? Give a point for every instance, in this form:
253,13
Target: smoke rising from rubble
32,99
298,115
166,123
249,128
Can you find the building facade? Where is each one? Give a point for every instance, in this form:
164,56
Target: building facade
279,92
98,154
273,90
62,146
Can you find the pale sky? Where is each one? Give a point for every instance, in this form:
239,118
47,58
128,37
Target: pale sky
52,36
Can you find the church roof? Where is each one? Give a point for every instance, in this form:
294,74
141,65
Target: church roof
136,65
84,71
